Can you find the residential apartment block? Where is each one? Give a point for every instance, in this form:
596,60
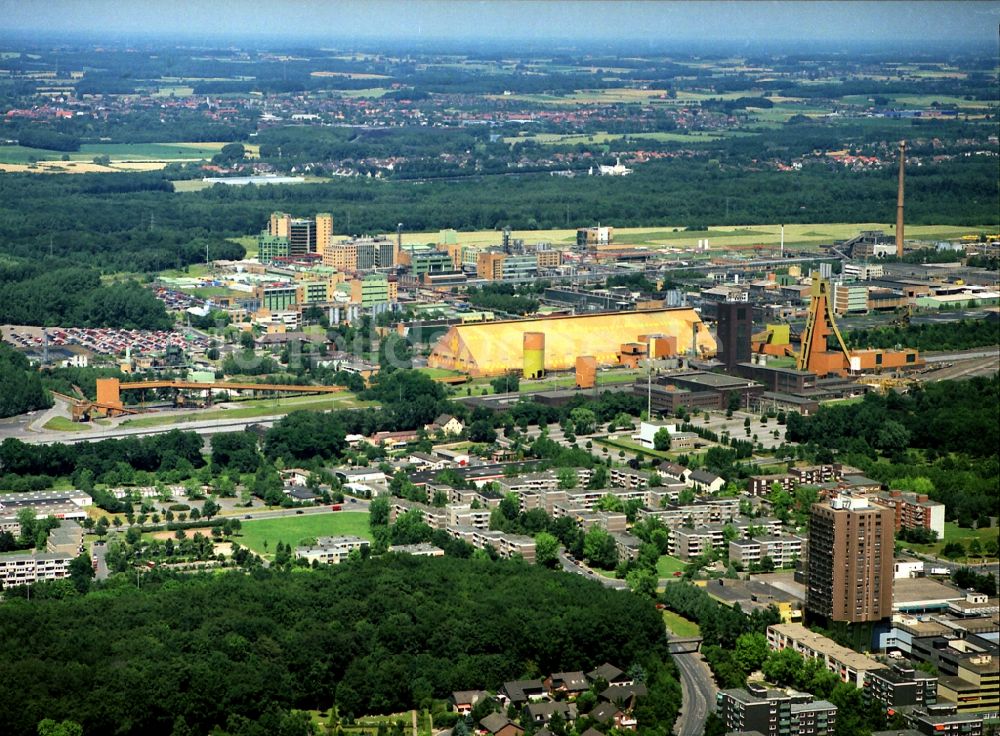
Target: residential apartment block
31,568
913,510
775,712
848,665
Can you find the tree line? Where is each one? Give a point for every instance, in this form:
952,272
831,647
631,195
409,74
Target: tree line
961,335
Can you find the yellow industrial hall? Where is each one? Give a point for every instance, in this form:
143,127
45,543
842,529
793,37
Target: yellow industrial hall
495,348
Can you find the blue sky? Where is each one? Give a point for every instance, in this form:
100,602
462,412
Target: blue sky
962,22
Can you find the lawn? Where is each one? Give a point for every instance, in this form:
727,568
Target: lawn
679,625
620,444
256,408
262,535
62,424
666,566
953,533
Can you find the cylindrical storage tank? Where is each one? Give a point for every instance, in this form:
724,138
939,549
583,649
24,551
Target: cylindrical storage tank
534,354
586,371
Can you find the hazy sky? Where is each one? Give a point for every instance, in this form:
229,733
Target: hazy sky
961,21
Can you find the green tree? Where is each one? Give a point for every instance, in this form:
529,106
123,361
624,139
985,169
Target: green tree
751,651
546,550
50,727
584,420
642,581
599,548
568,478
661,440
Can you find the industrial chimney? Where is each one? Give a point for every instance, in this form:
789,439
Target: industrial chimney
899,201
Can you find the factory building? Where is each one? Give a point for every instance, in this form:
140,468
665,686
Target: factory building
496,348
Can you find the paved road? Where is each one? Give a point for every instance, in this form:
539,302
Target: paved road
698,691
206,427
578,568
97,552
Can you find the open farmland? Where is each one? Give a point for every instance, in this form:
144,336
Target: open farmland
798,235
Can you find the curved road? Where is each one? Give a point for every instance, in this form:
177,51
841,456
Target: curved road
698,691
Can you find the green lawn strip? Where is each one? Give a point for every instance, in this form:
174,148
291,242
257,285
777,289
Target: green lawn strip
679,625
261,535
620,444
264,408
62,424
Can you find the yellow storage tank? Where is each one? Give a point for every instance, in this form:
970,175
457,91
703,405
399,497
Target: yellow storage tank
534,354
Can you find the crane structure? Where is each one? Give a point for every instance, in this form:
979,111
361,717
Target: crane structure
109,401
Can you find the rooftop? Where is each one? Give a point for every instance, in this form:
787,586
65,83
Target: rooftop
828,647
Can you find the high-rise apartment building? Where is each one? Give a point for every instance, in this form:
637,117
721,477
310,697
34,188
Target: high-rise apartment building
849,569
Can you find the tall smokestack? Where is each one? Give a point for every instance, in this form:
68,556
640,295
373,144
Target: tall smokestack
899,201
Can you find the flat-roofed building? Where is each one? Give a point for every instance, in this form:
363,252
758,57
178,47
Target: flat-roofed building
773,711
331,550
848,665
913,510
900,686
27,569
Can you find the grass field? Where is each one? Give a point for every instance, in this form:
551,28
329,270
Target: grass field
798,235
62,424
680,625
255,408
262,535
666,566
954,533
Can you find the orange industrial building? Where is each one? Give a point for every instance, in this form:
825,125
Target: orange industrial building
496,348
586,371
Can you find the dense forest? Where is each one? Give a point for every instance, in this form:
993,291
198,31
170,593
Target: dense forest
373,636
22,388
38,294
941,436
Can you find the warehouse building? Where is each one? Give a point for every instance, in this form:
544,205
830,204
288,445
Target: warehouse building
496,348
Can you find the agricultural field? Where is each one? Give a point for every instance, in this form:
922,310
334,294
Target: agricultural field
124,156
261,535
557,139
798,235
